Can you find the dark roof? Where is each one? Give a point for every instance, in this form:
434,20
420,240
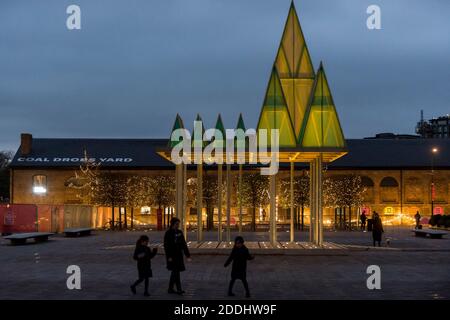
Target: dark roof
141,153
115,153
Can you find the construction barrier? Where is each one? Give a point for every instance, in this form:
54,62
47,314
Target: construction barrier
18,218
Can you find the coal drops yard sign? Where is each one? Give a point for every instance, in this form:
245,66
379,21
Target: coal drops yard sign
73,160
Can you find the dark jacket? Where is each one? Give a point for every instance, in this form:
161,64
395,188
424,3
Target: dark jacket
143,255
175,246
239,256
377,229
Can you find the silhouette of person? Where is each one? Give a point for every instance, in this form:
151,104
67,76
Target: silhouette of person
143,256
417,217
363,219
175,247
239,256
377,229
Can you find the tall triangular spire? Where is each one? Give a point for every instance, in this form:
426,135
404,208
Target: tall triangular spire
178,124
321,126
295,69
275,114
240,124
221,128
194,140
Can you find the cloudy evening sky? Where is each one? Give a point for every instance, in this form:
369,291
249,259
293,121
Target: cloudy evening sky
136,63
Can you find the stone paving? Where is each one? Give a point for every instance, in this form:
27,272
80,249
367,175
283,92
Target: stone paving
412,268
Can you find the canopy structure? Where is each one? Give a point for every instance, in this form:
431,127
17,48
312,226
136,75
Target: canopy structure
299,104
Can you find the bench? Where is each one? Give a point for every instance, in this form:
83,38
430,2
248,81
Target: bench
77,232
21,238
433,234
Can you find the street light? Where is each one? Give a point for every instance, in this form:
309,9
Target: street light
434,150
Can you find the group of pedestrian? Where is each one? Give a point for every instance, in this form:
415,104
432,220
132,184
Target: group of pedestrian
176,249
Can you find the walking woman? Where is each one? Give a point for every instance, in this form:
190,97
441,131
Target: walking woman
377,229
175,247
143,255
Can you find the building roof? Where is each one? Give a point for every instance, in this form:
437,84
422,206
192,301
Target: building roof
141,153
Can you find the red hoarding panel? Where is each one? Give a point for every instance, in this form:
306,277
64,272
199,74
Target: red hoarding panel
50,218
18,218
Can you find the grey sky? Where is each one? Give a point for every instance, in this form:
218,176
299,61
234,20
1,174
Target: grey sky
136,63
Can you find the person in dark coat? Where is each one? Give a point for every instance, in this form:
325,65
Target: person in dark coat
175,247
363,219
377,229
417,218
239,256
143,255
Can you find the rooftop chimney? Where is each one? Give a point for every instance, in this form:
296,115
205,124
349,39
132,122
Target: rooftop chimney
25,143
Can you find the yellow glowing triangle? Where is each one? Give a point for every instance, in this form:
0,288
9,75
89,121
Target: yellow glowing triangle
295,69
321,127
275,114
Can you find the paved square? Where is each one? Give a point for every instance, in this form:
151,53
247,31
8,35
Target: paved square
411,268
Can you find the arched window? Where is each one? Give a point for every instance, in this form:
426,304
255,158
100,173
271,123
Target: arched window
388,182
369,193
389,190
39,184
367,182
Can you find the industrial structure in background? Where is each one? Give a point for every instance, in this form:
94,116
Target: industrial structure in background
434,128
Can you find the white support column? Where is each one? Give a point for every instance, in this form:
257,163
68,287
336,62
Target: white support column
219,200
199,202
312,200
228,202
319,202
292,203
273,221
240,198
316,228
178,190
184,206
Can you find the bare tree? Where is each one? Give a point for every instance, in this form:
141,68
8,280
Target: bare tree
254,194
301,196
5,159
344,192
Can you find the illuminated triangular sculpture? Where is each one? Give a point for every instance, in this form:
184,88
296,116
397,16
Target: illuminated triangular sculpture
275,114
220,127
321,128
240,124
295,69
198,142
178,124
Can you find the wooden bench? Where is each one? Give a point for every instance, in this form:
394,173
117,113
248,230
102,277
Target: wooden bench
77,232
433,234
21,238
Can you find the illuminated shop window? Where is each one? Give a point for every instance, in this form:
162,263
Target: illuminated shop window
438,210
388,210
145,210
39,184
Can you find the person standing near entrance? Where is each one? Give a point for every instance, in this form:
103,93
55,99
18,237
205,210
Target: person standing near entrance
377,229
239,256
143,255
417,217
175,247
363,219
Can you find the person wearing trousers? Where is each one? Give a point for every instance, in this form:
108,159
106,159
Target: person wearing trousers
143,255
239,256
175,248
377,229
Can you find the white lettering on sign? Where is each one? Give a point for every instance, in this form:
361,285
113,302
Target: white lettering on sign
74,160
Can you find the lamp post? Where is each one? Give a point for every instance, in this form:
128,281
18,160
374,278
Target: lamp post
433,152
